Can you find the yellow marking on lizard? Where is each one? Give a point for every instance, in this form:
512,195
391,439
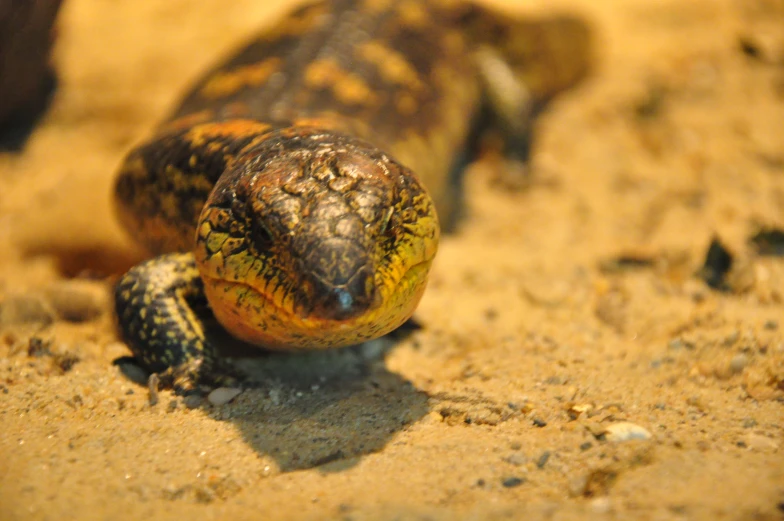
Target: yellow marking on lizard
392,65
247,76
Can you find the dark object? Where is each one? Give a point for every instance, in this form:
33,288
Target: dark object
512,482
538,422
26,77
39,347
626,262
718,262
749,47
65,361
769,241
543,459
131,369
651,106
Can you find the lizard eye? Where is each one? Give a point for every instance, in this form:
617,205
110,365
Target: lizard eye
385,218
260,234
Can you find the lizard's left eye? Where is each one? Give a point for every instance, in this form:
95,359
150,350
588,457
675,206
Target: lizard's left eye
262,237
385,218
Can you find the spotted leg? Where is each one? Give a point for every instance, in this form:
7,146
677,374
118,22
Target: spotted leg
156,302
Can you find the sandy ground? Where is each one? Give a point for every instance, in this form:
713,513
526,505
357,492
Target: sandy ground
537,343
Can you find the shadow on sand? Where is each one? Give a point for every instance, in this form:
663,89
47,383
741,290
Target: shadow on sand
314,409
323,409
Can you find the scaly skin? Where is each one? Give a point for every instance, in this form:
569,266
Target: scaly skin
285,181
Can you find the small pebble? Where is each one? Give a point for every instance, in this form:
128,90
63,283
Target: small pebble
730,339
152,387
738,363
223,395
193,401
512,482
579,409
771,325
491,314
676,344
749,423
65,361
718,262
78,300
543,459
25,310
698,402
625,431
517,459
38,347
585,446
538,422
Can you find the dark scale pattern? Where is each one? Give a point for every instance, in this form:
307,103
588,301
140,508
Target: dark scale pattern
286,177
155,304
167,180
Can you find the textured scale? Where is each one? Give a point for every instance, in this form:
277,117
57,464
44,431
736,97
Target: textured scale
292,178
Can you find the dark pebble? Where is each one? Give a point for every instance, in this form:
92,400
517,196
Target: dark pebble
491,314
718,261
749,423
585,446
65,361
542,461
769,241
749,47
192,401
538,422
512,482
38,347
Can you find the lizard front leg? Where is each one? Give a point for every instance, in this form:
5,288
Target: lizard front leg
156,303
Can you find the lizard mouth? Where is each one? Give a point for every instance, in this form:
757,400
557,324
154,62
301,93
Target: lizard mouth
262,318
